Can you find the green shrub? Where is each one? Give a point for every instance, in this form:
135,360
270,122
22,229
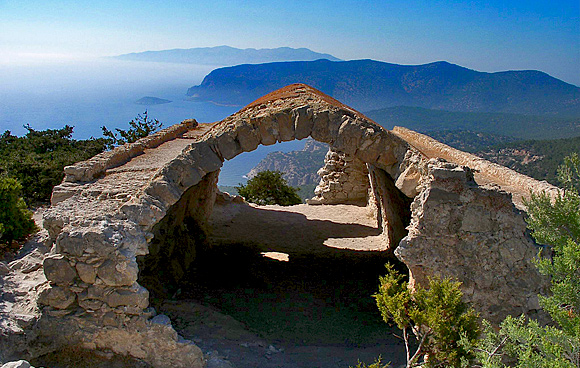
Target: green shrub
16,221
140,127
37,160
436,317
269,187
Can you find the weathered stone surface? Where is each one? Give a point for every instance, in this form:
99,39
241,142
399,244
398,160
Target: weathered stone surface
476,236
248,136
17,364
285,126
57,297
228,146
268,128
343,179
302,122
136,296
58,270
86,272
118,272
393,207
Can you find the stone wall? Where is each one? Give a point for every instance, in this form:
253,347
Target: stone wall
475,235
518,184
343,179
177,237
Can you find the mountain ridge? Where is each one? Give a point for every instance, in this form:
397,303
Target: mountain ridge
226,55
369,84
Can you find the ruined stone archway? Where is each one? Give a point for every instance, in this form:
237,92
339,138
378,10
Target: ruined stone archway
108,209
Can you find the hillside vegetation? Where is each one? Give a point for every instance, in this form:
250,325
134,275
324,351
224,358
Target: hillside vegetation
536,158
506,124
37,159
298,167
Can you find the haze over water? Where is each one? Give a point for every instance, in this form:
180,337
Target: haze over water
90,93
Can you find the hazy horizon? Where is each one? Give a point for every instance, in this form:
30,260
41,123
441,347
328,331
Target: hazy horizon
490,36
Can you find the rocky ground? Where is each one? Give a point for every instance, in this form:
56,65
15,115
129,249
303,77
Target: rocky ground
299,297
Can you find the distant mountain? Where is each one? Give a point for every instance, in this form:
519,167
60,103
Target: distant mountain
506,124
225,55
148,101
368,84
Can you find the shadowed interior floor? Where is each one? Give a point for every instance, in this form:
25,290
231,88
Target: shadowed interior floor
277,287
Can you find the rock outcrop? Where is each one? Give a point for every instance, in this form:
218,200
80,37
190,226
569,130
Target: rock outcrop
128,223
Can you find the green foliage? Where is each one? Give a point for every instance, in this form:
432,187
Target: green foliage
15,220
269,187
140,127
521,126
378,363
527,343
37,159
557,224
436,316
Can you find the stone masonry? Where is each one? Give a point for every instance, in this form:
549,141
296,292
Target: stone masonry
343,179
112,214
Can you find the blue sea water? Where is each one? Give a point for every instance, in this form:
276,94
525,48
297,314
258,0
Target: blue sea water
88,94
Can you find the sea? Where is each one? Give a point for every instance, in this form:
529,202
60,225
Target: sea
89,94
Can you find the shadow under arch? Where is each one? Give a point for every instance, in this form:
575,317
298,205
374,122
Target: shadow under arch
291,113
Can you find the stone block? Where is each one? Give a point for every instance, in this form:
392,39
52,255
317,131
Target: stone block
58,270
268,128
321,129
136,296
86,272
302,122
164,191
408,181
57,297
204,157
228,146
248,137
118,272
285,126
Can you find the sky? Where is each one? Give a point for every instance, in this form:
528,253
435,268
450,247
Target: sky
492,35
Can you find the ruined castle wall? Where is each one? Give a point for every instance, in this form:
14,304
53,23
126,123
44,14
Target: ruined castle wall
517,183
474,235
96,166
177,237
343,179
393,213
108,215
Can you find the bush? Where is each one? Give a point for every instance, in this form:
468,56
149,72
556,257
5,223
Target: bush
438,319
37,160
16,221
141,127
269,187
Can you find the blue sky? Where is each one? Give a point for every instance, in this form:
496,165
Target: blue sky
483,35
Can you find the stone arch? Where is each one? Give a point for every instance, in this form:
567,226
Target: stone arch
108,210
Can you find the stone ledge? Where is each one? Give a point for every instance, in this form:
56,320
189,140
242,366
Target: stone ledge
92,168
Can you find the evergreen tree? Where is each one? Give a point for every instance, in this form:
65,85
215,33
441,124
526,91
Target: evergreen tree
436,317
